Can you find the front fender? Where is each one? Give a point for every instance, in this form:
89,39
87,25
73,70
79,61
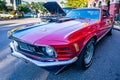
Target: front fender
89,37
85,40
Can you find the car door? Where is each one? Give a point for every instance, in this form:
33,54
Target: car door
108,21
104,24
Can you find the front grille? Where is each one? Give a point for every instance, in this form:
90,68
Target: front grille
27,48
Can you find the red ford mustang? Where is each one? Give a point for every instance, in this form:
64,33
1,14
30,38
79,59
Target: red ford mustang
64,41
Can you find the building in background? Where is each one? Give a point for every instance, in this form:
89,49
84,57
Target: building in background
113,6
13,3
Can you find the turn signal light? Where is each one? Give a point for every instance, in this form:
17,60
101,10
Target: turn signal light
76,47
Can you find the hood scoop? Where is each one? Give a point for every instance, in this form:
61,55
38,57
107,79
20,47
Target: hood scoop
64,20
60,20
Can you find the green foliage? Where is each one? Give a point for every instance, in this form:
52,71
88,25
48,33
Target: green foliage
3,5
34,6
24,8
62,3
38,7
77,3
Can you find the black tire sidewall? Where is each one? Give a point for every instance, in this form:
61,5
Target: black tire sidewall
80,62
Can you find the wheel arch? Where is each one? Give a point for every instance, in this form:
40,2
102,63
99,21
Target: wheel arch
80,60
90,37
86,40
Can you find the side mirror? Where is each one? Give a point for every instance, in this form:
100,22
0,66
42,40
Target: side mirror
111,16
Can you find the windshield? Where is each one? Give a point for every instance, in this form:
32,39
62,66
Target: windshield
84,13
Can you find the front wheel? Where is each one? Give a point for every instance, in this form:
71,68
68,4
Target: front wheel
85,57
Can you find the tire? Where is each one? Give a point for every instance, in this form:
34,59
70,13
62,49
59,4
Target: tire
85,58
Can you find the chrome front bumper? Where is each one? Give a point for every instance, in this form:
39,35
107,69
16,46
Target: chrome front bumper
38,63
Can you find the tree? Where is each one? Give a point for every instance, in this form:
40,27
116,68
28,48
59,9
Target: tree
77,3
32,7
24,8
2,5
38,7
62,3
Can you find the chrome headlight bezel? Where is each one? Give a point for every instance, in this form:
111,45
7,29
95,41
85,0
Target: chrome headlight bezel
49,51
15,43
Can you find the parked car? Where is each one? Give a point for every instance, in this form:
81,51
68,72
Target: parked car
16,13
54,8
68,40
11,14
6,15
55,12
26,15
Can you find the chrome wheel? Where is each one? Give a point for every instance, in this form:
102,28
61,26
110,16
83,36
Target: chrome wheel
89,53
85,58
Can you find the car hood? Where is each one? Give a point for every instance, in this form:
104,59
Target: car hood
51,32
54,8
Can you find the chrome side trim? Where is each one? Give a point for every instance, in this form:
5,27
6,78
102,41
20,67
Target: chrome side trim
38,63
104,35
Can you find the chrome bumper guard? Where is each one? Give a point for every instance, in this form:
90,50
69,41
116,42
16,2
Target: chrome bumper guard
38,63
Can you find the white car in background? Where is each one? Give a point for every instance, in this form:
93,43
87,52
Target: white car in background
7,15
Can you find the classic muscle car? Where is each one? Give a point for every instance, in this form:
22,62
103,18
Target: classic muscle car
68,40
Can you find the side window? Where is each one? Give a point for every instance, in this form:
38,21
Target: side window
105,14
108,14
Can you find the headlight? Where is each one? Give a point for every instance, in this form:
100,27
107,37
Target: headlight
15,43
49,51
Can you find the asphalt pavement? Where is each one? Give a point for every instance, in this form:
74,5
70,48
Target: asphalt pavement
106,62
